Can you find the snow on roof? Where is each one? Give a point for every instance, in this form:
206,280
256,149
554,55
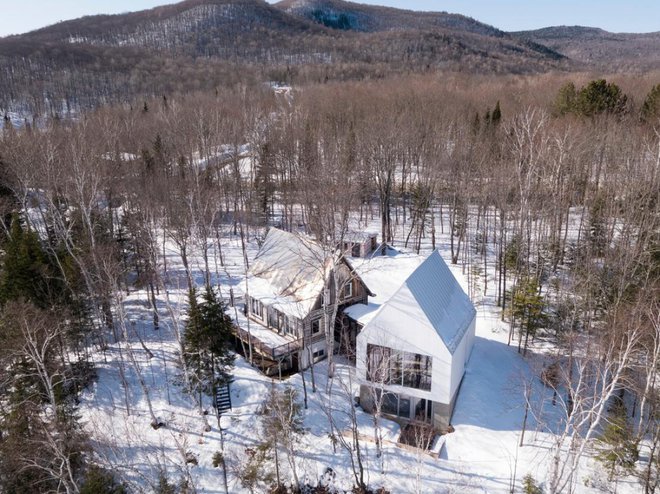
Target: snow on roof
384,275
122,156
430,297
288,273
353,236
442,299
221,155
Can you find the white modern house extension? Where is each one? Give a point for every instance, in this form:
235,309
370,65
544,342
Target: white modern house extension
412,352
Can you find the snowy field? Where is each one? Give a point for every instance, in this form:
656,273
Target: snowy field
483,454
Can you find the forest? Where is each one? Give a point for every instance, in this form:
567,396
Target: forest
551,182
211,44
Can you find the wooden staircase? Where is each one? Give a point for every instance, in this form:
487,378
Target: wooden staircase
222,399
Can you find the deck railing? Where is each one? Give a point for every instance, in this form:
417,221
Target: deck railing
273,352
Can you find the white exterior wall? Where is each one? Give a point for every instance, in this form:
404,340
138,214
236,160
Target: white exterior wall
417,340
460,358
430,315
447,369
305,355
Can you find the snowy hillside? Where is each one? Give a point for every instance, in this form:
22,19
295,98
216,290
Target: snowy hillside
486,453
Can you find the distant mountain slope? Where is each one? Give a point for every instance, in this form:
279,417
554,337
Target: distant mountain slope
201,44
350,16
338,14
192,27
252,28
201,13
598,48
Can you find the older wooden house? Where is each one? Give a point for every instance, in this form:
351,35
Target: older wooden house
294,287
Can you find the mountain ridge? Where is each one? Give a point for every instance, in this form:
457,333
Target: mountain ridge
390,18
293,40
597,48
210,27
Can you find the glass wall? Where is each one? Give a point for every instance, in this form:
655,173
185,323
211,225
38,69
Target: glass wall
396,367
394,404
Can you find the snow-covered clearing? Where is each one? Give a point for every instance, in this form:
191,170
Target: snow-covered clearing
482,455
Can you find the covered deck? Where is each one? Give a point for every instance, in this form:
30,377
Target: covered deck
271,352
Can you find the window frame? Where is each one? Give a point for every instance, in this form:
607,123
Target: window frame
348,289
257,303
389,366
395,404
311,326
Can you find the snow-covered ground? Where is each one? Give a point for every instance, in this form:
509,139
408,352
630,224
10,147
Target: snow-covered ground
482,455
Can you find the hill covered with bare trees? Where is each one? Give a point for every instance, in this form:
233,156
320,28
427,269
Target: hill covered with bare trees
599,49
144,159
204,44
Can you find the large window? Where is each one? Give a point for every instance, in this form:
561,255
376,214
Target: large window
290,326
394,404
395,367
273,318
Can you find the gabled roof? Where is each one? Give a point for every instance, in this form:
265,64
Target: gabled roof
357,236
430,297
384,275
288,272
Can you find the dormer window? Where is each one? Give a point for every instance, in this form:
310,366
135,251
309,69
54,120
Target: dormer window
348,289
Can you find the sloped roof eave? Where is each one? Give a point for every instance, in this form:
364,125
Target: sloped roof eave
432,296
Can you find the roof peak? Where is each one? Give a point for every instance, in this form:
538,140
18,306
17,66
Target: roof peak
440,298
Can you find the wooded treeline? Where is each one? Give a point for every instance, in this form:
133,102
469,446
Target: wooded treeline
565,200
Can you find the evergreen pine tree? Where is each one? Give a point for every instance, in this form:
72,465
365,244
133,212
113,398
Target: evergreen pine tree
497,114
159,158
25,268
651,105
565,102
263,180
616,445
164,485
527,306
207,343
100,481
597,226
598,97
217,326
530,486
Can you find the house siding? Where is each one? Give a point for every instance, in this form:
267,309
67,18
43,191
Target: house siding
460,359
356,248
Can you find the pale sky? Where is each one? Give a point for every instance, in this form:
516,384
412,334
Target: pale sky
18,16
